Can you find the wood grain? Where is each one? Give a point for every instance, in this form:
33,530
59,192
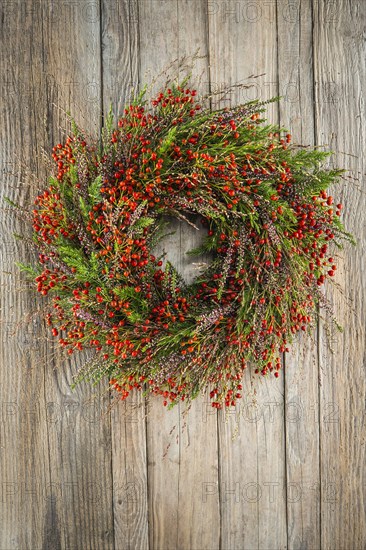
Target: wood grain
163,474
120,58
180,460
120,52
59,458
80,456
25,461
340,76
295,76
243,43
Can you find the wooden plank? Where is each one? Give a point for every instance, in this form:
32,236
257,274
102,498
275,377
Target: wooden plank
244,27
178,515
81,455
301,375
129,462
129,467
58,448
25,464
340,76
120,40
243,42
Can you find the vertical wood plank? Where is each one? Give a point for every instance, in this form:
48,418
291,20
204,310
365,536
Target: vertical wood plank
58,460
120,40
179,515
25,462
295,66
340,76
243,42
80,456
120,47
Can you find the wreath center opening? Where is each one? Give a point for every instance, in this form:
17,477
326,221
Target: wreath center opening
181,238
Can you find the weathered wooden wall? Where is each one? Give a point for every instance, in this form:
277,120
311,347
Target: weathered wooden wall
287,468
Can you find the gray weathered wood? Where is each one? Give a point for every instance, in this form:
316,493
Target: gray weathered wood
162,474
340,77
252,467
295,66
80,455
179,516
120,57
120,52
57,442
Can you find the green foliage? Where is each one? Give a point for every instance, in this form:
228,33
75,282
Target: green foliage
84,209
73,175
94,190
94,266
73,257
31,271
139,98
167,141
138,306
144,222
10,202
86,268
125,292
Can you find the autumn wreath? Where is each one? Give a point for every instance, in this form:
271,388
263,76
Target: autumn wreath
268,221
